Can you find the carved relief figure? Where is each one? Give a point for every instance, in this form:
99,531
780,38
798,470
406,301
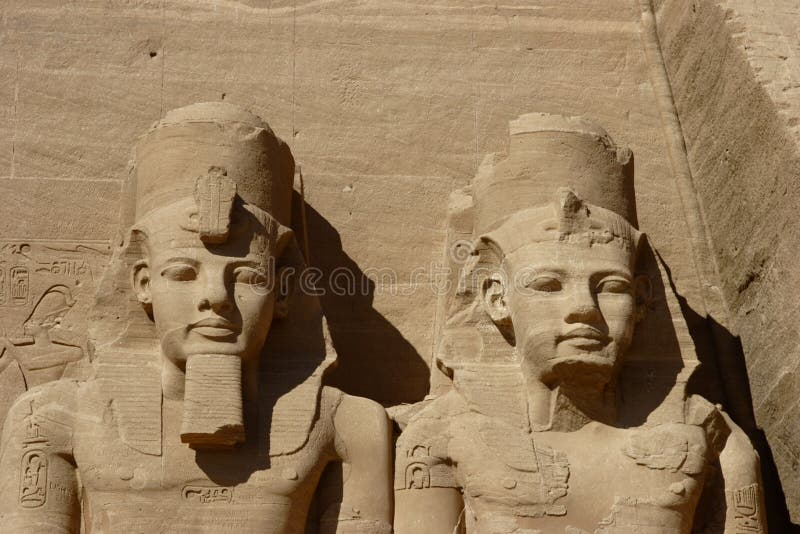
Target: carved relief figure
50,349
207,411
530,438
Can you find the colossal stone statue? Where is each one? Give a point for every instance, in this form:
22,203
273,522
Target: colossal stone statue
206,411
530,438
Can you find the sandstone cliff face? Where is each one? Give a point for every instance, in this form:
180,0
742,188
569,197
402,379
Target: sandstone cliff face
733,67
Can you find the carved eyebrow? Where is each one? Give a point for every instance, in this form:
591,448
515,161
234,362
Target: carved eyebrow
546,269
247,263
180,259
613,272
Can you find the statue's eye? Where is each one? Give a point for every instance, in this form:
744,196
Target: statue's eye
248,275
179,272
613,285
545,284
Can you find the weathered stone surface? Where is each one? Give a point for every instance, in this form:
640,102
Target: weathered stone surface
733,67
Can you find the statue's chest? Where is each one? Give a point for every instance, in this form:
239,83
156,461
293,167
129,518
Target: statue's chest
583,479
243,475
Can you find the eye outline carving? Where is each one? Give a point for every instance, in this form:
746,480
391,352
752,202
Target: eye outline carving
614,285
179,271
258,276
545,283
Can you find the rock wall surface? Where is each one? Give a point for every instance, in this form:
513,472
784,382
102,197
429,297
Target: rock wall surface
734,68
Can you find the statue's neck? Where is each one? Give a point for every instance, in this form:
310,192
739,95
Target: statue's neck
568,407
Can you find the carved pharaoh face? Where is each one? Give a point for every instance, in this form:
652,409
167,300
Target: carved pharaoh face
207,298
573,309
569,297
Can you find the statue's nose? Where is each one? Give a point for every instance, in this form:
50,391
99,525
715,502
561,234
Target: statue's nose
582,307
216,295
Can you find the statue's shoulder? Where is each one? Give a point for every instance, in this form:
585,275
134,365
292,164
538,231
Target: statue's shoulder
432,420
59,394
52,405
348,410
726,439
447,407
422,455
716,424
689,445
361,427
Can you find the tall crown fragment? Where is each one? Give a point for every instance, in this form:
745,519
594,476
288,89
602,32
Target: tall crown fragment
548,152
211,140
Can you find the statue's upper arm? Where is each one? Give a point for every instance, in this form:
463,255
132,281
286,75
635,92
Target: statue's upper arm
38,485
427,495
429,510
741,471
363,443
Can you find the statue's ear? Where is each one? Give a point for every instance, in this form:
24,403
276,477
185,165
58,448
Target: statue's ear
140,279
493,297
289,261
284,287
643,293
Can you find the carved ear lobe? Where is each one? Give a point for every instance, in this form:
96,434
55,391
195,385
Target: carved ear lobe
643,293
493,296
140,279
284,288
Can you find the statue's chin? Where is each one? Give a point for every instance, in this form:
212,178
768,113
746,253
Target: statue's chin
179,354
597,368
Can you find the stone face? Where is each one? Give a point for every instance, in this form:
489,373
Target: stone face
197,409
535,420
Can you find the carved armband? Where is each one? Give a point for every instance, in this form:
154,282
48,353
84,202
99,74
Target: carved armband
745,502
423,464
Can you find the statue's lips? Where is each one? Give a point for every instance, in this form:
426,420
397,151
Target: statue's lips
215,327
585,338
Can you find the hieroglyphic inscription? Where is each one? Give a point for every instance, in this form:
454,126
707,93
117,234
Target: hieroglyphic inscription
207,494
19,280
27,266
418,476
16,249
746,502
64,266
61,491
33,469
33,484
